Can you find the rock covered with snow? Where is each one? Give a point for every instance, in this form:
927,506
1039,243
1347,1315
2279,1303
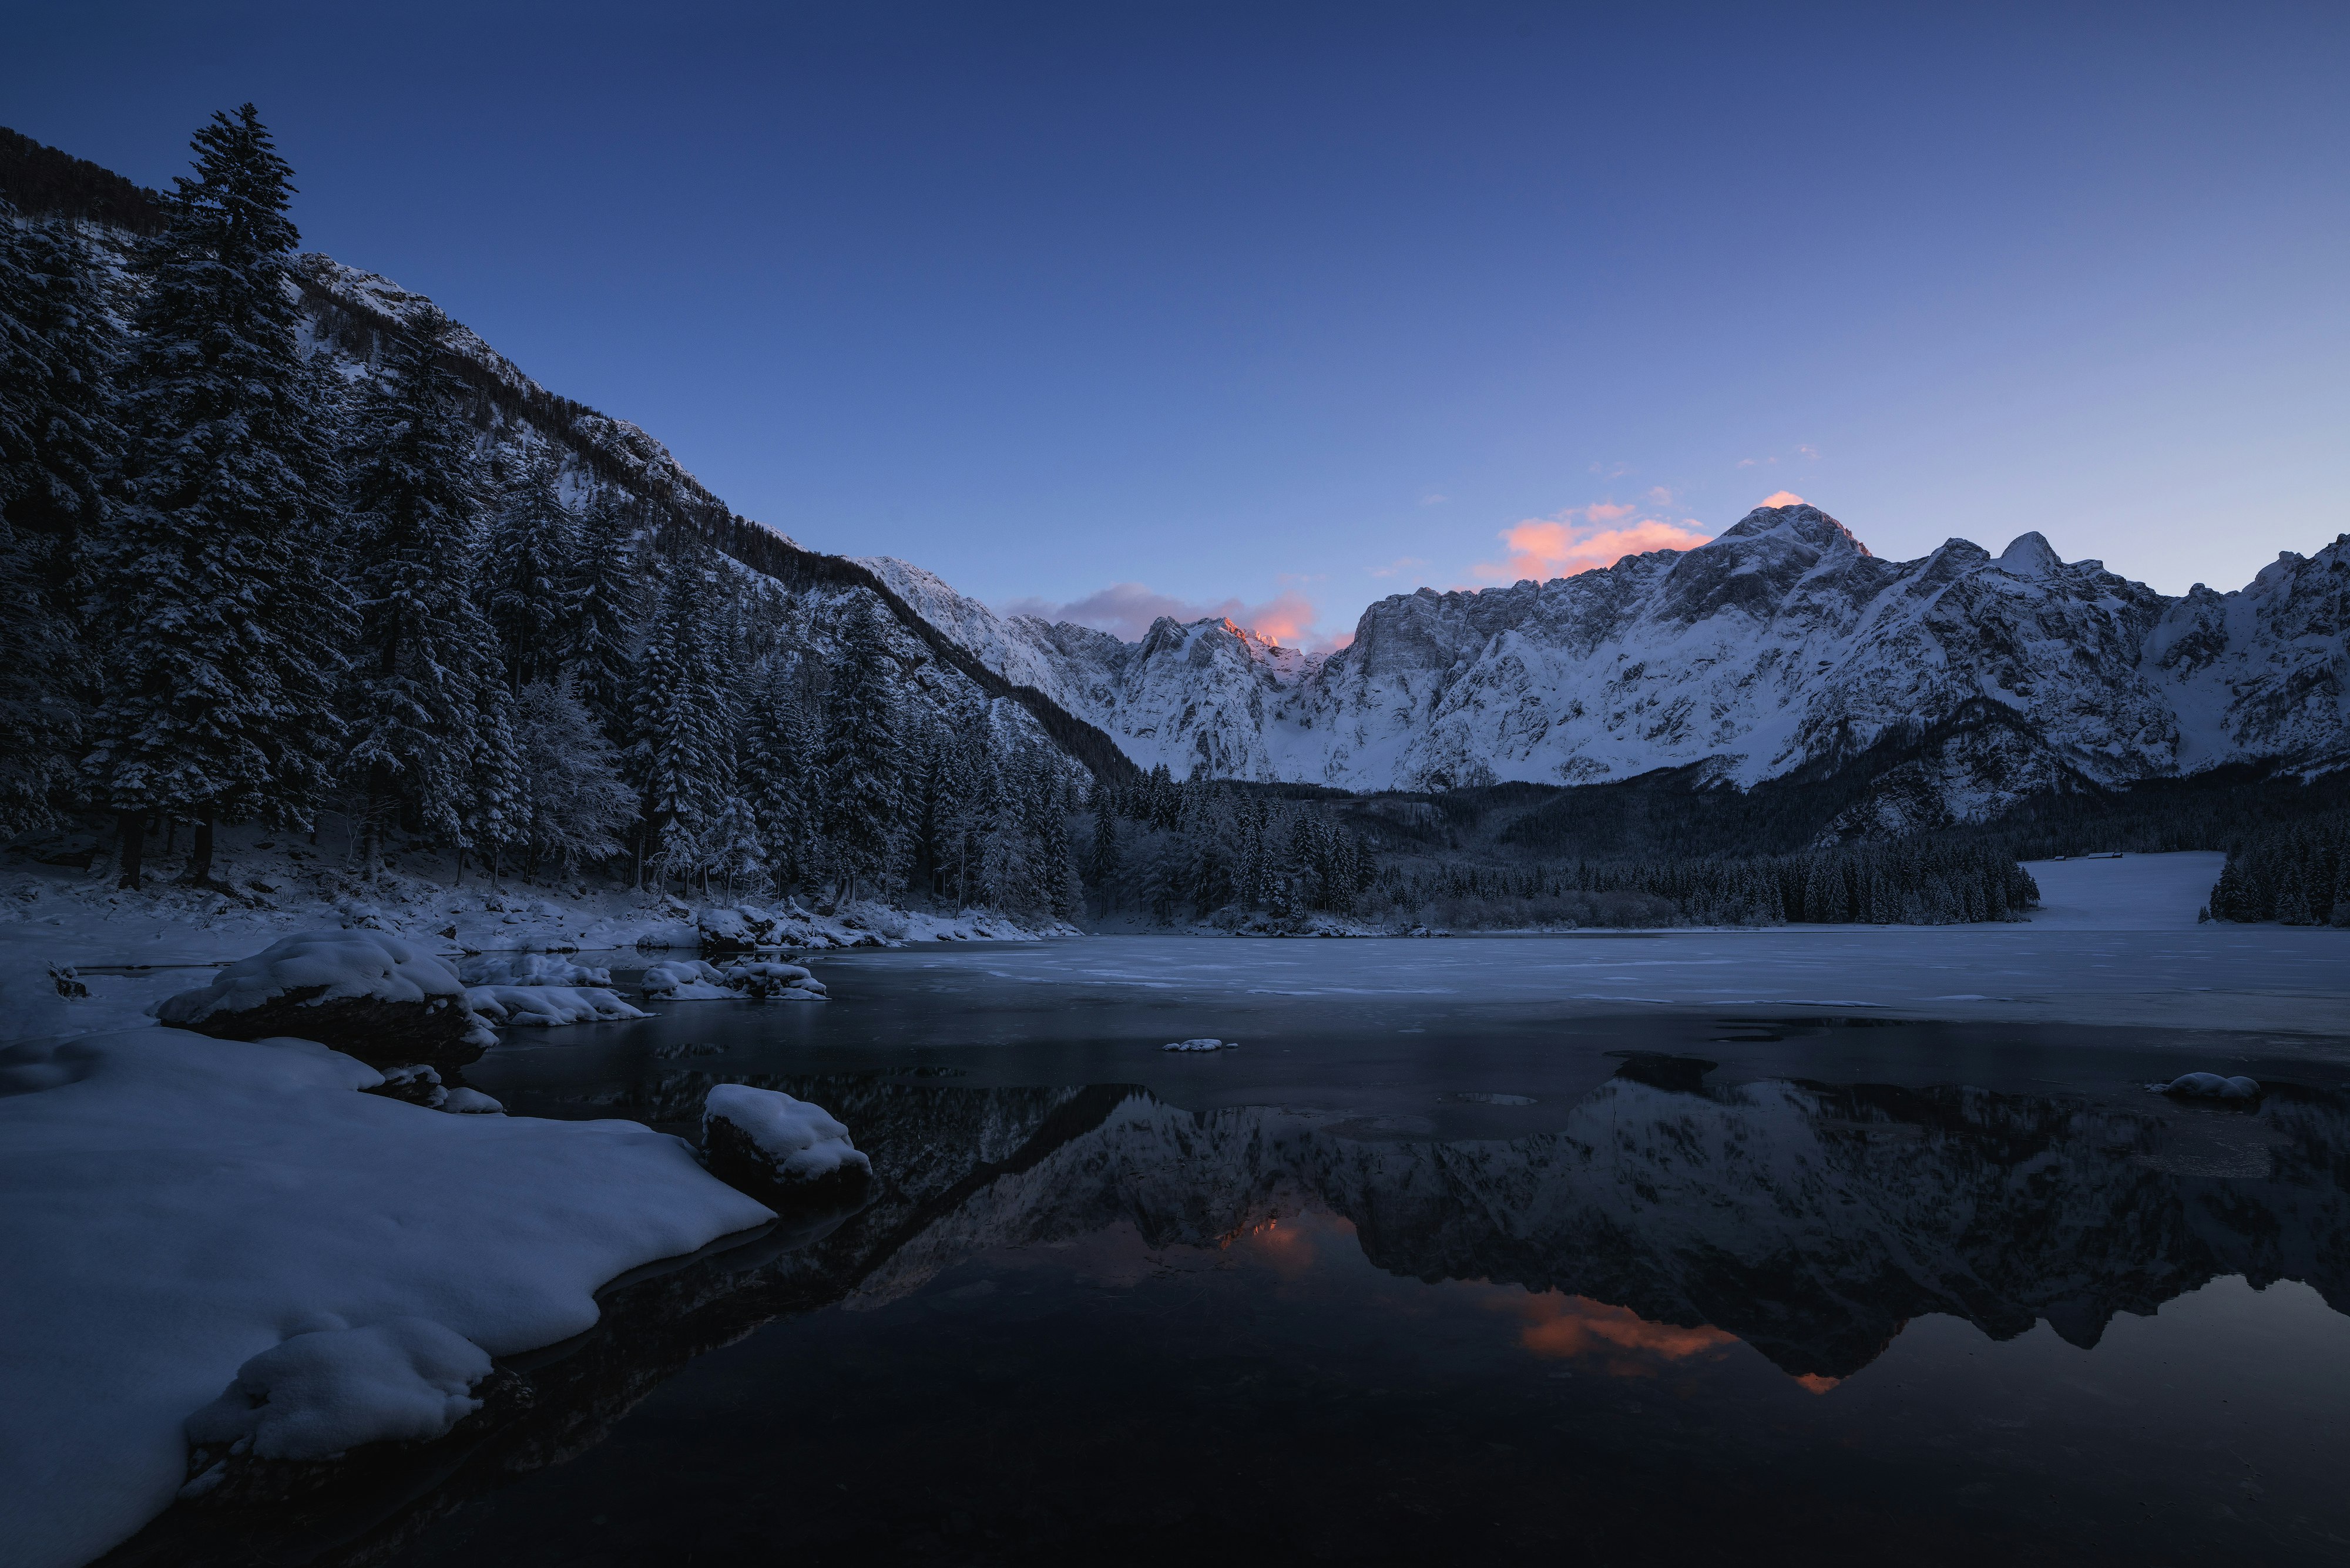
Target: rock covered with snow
697,980
378,997
768,1144
547,1006
773,981
2212,1087
529,968
1202,1045
686,979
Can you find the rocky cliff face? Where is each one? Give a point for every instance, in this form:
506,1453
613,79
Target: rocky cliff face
1783,644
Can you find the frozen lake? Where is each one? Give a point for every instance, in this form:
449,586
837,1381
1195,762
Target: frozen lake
1629,1247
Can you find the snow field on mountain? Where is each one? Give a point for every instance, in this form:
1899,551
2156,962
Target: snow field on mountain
180,1205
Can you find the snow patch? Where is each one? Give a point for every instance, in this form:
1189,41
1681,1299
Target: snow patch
801,1140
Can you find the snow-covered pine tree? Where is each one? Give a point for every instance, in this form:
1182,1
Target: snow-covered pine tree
578,805
497,803
861,761
680,756
779,772
58,354
602,595
731,849
219,680
424,648
528,583
1103,857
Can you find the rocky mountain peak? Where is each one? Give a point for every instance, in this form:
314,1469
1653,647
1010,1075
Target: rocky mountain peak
1800,522
2029,556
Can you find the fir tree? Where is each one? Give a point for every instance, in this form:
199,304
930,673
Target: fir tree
779,772
860,763
220,684
577,805
425,650
1104,859
58,350
529,578
681,752
601,597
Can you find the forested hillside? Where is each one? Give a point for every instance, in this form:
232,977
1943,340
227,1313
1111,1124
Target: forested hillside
273,561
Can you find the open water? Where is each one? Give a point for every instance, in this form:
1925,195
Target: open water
1442,1270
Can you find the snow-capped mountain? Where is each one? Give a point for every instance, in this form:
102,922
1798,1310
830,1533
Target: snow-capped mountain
1782,644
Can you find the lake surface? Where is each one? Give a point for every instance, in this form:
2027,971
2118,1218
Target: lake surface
1444,1261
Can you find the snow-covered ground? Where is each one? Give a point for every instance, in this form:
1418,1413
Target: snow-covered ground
2135,893
279,884
179,1205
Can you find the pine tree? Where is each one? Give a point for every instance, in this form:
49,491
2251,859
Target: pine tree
529,578
58,442
219,687
424,650
496,811
1104,859
860,763
779,774
681,755
577,803
601,597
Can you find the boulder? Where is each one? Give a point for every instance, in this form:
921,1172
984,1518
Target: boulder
787,1153
2211,1086
369,994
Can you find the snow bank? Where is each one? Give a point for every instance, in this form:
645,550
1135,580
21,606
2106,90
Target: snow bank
794,1140
179,1205
405,1379
1200,1046
529,968
2211,1086
545,1006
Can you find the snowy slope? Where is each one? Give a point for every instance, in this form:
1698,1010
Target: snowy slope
1783,643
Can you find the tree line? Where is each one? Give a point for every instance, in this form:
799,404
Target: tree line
2297,873
247,579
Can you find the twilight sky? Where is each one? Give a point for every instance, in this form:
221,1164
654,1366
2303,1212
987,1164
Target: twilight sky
1272,309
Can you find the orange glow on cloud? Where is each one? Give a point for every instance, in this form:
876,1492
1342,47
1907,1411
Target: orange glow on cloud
1587,539
1781,498
1559,1327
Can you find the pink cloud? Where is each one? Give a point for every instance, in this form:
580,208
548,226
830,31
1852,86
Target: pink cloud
1781,498
1581,539
1125,610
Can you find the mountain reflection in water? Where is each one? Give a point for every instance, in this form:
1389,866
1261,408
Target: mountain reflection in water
1083,1321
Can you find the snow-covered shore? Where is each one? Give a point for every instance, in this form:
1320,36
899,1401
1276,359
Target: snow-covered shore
179,1205
270,886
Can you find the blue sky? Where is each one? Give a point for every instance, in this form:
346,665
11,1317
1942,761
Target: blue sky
1284,307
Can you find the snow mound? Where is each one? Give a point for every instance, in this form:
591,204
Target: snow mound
181,1204
2212,1087
795,1140
1202,1045
467,1102
545,1006
529,968
343,965
406,1379
773,981
686,979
